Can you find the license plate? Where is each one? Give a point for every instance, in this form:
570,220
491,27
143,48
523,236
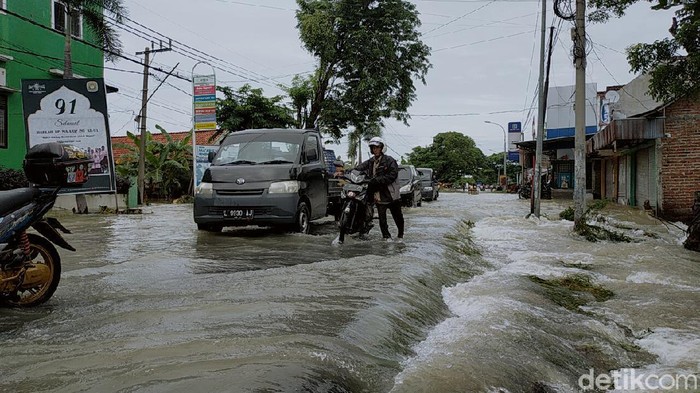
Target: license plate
239,214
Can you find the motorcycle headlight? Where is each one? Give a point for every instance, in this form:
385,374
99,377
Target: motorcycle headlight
405,188
351,194
284,187
205,190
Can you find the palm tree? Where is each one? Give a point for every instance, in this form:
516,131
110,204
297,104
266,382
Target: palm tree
93,15
355,138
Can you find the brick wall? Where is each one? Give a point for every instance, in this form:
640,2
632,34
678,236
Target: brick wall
680,159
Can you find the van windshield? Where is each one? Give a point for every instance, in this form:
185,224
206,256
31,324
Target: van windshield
251,149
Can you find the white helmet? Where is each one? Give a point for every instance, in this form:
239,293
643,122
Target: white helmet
377,141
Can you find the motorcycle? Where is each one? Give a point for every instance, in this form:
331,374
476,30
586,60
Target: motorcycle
545,193
354,212
30,265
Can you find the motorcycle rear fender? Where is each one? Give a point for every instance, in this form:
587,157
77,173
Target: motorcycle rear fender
47,227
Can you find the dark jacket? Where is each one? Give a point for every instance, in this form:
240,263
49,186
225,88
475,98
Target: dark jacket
385,180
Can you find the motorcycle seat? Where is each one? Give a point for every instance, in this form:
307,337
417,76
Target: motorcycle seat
12,199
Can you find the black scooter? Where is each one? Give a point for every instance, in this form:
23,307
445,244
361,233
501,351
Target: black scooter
354,211
30,266
545,193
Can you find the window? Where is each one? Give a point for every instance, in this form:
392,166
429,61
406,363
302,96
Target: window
59,19
3,120
311,149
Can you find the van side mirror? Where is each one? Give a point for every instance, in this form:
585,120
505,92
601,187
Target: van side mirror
211,156
311,155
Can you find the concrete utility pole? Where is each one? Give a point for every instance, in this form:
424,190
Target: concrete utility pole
536,187
579,37
142,127
143,117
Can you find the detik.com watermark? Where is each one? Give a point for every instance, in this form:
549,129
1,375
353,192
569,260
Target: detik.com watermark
632,379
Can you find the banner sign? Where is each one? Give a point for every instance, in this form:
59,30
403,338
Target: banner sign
204,98
72,112
201,161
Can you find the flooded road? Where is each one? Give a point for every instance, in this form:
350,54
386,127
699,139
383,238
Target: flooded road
474,301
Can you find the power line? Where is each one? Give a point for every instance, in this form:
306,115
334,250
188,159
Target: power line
460,17
28,20
483,41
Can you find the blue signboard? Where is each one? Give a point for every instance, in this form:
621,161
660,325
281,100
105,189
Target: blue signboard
513,156
515,126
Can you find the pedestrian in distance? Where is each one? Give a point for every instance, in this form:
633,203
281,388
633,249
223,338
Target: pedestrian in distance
383,187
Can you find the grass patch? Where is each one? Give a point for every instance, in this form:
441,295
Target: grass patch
577,265
461,241
567,214
593,233
573,291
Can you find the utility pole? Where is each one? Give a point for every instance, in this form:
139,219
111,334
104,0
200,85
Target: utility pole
143,117
536,187
579,37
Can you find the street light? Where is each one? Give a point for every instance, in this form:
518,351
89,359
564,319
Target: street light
505,150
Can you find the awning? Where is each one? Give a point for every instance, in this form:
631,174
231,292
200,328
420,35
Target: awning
626,132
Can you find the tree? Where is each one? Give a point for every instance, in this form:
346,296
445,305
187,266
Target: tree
451,156
301,93
673,63
369,52
358,135
168,164
93,16
247,108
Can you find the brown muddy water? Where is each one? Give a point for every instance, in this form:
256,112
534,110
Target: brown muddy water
478,299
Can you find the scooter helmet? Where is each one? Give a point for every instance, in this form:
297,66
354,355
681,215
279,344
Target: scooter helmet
377,141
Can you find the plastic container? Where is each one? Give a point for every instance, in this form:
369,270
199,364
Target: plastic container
56,165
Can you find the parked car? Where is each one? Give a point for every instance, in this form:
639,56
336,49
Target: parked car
431,189
267,177
411,188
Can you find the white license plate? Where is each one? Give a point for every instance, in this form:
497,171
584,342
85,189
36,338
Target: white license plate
239,214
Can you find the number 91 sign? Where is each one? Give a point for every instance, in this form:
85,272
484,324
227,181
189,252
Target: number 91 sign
72,112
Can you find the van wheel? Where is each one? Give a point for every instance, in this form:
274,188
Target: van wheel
210,227
419,200
303,218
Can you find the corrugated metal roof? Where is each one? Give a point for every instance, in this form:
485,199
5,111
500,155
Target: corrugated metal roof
626,130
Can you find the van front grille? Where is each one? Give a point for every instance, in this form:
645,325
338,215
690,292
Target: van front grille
239,192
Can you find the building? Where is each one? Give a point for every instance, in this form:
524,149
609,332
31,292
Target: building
648,155
203,139
31,47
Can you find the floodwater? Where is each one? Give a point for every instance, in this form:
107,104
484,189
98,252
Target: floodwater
150,304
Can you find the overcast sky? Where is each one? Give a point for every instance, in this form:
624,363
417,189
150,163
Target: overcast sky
485,57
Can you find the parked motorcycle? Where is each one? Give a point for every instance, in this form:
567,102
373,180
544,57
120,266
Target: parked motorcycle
545,193
30,266
354,213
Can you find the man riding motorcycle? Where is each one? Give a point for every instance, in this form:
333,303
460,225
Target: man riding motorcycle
383,187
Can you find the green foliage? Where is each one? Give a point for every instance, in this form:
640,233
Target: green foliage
573,291
301,92
369,53
168,169
567,214
451,155
673,63
248,108
11,179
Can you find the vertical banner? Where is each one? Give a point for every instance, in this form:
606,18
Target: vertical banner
72,112
203,118
201,161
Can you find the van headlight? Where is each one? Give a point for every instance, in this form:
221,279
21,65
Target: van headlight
205,190
405,188
284,187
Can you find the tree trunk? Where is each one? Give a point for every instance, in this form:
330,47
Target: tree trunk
693,240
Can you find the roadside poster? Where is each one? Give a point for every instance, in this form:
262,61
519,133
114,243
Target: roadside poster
201,162
72,112
204,115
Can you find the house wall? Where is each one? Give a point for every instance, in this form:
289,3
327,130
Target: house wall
680,159
45,51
